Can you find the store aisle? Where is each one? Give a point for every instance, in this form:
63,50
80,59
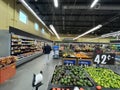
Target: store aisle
23,77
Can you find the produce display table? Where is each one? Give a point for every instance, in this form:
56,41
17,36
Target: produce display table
70,76
70,87
58,74
77,61
85,88
79,58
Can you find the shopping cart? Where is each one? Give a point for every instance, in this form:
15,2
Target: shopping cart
38,83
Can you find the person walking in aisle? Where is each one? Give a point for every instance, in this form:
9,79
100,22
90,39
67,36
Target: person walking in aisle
47,50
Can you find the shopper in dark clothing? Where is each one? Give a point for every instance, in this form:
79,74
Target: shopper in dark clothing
47,49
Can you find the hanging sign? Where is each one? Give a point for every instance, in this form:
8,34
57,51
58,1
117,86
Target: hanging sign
105,59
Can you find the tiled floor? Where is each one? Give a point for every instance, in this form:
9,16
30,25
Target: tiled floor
23,78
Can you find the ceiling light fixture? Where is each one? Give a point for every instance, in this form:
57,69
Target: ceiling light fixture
111,34
53,29
56,3
36,0
89,31
94,3
28,7
50,31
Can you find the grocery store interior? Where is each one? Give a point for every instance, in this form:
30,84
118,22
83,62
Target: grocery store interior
60,44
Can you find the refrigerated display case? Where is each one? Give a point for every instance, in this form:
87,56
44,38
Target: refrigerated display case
24,47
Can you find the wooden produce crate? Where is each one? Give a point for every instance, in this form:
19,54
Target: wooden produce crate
2,75
72,61
12,70
7,72
84,62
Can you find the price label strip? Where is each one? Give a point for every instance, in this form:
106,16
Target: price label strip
104,59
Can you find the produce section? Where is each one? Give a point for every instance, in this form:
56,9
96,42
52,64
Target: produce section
76,58
67,77
107,78
104,77
81,55
77,55
70,75
67,52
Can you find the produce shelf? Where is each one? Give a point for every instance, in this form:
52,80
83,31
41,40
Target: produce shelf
104,77
82,81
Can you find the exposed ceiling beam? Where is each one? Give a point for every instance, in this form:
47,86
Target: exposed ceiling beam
89,26
79,20
72,25
100,15
84,28
71,18
63,2
116,2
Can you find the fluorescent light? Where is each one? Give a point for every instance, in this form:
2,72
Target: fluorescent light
111,34
53,29
91,30
56,3
94,3
50,31
28,7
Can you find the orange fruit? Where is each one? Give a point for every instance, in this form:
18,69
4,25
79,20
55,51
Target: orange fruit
81,88
98,87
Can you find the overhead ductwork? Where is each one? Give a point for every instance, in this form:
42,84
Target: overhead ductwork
97,7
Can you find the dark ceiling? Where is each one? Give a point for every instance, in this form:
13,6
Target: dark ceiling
76,17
